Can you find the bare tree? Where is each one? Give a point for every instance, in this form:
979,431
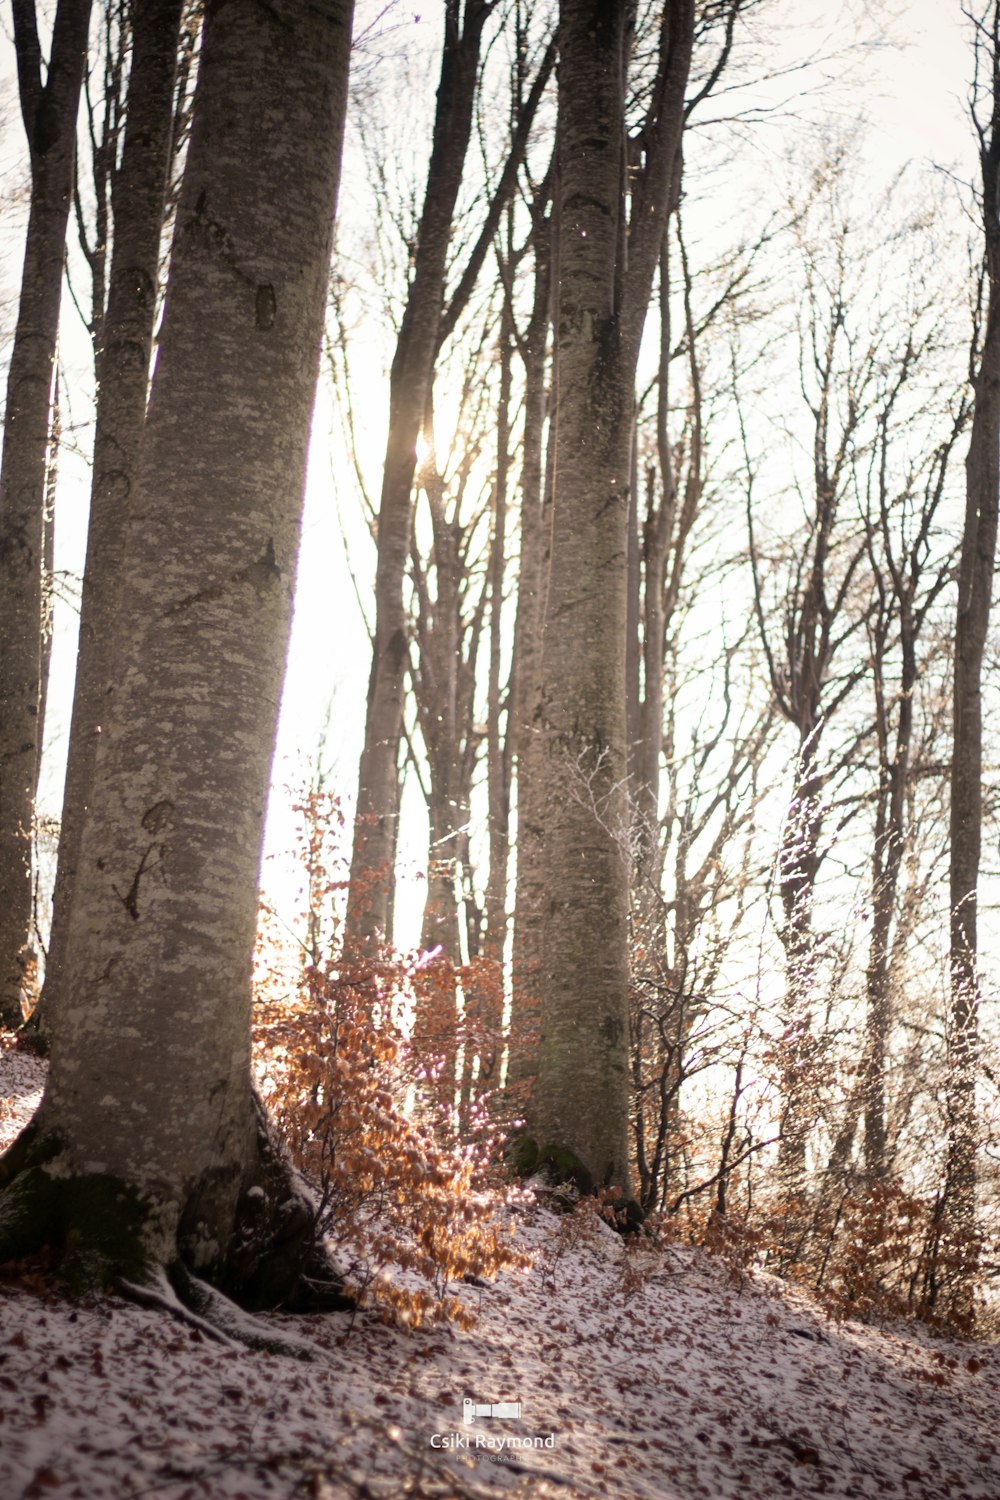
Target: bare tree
908,573
48,110
715,758
975,587
450,601
425,325
666,497
810,581
123,337
579,1103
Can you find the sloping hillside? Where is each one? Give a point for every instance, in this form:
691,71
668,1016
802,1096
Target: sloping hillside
637,1374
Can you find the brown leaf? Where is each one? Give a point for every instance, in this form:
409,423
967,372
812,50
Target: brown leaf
44,1479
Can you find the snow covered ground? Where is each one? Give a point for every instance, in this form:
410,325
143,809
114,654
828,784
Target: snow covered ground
649,1375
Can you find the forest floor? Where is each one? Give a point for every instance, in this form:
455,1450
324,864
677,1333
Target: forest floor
651,1374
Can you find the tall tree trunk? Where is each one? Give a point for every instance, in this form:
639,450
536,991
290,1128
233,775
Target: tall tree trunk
887,863
650,568
975,584
799,860
440,926
48,565
49,114
444,673
148,1106
578,1113
660,556
409,392
101,130
483,986
526,951
122,359
498,745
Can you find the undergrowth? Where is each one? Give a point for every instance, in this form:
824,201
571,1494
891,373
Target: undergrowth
357,1064
381,1074
873,1253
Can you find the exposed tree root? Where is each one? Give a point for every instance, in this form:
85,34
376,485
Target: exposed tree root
156,1292
277,1257
201,1306
105,1234
31,1034
213,1308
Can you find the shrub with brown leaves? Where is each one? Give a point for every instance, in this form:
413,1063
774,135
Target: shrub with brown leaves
367,1103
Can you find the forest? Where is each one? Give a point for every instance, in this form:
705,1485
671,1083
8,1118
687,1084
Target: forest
498,816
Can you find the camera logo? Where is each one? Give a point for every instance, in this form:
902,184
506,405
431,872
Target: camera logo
473,1409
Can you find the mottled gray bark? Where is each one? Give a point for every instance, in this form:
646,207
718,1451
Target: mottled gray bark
149,1084
49,114
975,587
526,946
578,1111
122,357
498,746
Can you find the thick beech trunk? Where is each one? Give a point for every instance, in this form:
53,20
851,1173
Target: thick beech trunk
49,114
975,587
526,946
149,1098
578,1113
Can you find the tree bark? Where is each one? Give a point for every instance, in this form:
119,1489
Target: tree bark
49,114
122,362
522,1057
975,585
498,745
148,1100
578,1114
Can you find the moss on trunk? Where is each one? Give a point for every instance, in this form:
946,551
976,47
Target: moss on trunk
94,1223
103,1233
